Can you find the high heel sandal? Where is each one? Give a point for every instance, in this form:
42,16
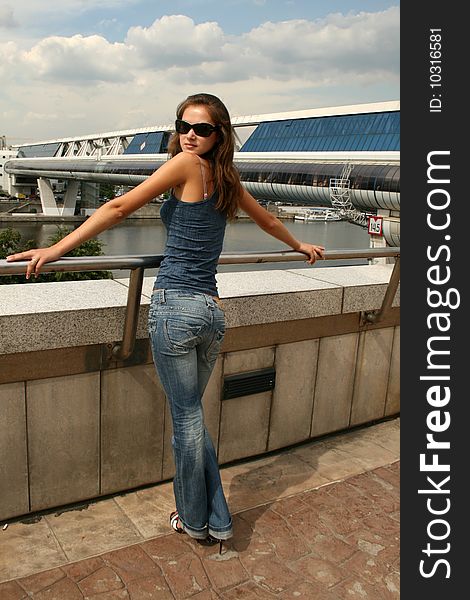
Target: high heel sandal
174,518
207,541
211,541
219,541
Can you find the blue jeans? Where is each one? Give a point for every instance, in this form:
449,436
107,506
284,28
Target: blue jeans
186,330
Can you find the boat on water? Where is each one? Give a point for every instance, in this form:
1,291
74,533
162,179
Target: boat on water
318,214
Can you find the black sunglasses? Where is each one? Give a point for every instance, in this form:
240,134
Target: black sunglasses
200,129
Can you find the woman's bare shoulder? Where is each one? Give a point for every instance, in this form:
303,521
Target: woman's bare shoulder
179,168
184,159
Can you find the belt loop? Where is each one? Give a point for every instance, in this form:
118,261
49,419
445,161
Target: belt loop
159,295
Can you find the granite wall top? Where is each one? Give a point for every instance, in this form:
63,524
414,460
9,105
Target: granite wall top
55,315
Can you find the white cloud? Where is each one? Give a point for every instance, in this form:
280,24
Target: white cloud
80,59
347,44
338,46
176,40
7,18
9,54
80,84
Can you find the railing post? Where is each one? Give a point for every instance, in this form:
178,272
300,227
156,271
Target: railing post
123,350
374,316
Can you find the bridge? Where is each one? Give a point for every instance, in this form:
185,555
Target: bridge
343,157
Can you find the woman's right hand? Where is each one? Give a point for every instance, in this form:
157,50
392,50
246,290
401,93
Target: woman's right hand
37,258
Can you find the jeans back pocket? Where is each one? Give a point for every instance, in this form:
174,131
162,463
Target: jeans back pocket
182,334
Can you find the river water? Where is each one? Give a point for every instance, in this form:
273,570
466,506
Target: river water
147,236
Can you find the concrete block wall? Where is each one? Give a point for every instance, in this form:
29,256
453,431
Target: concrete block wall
14,493
132,426
74,430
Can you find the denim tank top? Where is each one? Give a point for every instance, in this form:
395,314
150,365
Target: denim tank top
195,236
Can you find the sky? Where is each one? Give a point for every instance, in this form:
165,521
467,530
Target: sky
77,67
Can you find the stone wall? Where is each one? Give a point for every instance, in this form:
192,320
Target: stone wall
78,425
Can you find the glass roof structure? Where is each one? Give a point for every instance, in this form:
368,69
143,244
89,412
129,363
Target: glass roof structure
38,150
370,132
149,143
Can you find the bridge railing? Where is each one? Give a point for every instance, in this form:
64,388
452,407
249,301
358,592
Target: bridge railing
138,263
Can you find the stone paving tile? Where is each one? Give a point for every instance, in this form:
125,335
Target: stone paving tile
355,588
385,548
185,576
390,475
263,520
269,572
332,548
337,542
370,568
249,591
101,527
287,475
322,500
359,504
115,595
101,581
225,572
28,547
268,479
380,524
287,507
11,591
317,570
330,462
79,570
157,501
386,435
311,525
131,563
205,595
65,588
166,547
371,483
340,520
36,583
254,545
361,446
286,542
392,584
149,588
308,591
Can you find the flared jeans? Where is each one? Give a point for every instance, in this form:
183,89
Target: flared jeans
186,330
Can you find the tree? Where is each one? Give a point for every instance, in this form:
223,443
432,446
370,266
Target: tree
107,190
11,242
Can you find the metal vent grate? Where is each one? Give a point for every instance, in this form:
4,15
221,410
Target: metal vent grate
253,382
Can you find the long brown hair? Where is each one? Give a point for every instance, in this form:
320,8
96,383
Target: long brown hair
226,177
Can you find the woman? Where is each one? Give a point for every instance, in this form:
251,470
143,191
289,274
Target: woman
186,323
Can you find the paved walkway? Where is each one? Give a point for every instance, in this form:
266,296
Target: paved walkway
317,522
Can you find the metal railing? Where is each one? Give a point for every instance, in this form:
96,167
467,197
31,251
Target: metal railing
138,263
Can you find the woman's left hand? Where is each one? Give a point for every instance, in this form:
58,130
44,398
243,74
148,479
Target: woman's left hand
312,251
